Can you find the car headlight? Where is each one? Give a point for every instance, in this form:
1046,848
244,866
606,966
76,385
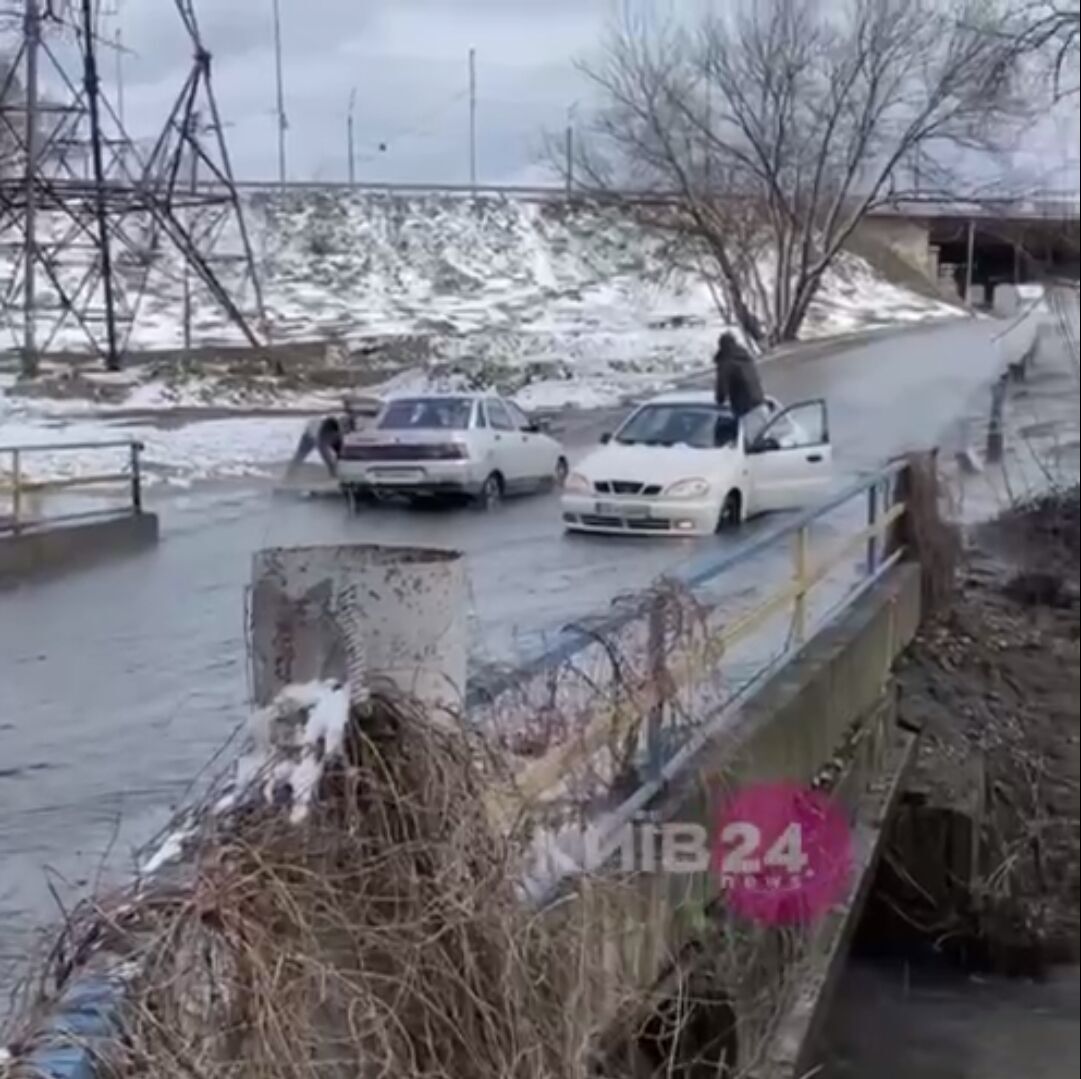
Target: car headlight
690,488
577,482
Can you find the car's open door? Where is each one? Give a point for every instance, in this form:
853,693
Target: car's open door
790,460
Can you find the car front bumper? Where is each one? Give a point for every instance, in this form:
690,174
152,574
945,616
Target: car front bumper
410,477
641,517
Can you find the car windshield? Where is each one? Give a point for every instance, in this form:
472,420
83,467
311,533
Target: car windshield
702,427
427,413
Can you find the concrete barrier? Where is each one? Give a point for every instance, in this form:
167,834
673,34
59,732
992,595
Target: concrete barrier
1018,337
838,688
38,550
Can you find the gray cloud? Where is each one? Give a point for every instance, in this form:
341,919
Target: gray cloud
407,60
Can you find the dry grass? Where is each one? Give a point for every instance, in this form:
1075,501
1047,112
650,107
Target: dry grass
381,939
993,681
384,936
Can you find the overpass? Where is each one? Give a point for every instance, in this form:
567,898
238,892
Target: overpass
971,246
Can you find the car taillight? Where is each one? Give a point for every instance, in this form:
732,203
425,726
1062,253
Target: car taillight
452,451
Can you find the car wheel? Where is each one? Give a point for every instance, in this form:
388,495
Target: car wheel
491,492
731,512
559,477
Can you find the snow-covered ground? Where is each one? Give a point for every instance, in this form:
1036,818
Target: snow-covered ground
559,307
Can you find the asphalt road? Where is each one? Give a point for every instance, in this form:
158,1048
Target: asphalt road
118,684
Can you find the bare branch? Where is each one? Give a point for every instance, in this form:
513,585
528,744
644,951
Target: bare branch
779,124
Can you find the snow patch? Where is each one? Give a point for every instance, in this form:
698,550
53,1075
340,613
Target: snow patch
292,739
169,850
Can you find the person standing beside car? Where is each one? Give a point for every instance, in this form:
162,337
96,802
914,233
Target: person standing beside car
737,385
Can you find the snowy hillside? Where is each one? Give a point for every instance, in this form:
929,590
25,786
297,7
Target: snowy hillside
494,290
558,308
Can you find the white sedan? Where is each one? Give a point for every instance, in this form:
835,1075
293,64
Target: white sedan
679,465
474,445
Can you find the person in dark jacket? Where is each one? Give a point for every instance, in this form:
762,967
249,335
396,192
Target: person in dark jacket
737,383
739,387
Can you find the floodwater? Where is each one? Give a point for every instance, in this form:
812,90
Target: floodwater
117,685
890,1021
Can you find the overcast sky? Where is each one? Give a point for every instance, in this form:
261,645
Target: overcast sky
408,63
406,59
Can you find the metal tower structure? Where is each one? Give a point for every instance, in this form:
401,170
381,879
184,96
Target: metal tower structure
89,222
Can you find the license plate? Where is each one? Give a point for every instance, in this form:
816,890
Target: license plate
397,475
629,510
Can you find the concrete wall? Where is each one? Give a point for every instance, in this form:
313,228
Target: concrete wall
790,729
909,240
45,549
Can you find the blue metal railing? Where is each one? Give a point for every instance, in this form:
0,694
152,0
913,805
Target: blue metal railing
700,572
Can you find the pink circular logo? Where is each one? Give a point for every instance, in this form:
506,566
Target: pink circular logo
783,853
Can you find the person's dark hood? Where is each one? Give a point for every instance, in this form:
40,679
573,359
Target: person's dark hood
728,348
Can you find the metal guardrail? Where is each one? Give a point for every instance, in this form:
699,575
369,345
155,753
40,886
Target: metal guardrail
641,627
1033,203
636,625
15,481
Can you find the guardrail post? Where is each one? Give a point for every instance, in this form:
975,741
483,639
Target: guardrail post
658,680
136,480
994,428
872,518
800,613
16,489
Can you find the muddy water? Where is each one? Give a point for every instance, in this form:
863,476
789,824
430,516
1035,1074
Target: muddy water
117,686
896,1022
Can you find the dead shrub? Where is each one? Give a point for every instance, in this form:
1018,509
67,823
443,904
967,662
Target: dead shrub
380,936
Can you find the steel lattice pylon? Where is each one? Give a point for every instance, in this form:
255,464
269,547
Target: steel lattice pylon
86,218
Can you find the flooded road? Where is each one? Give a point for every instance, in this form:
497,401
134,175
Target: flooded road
117,685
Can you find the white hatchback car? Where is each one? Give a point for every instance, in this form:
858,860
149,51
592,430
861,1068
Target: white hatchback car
679,465
431,445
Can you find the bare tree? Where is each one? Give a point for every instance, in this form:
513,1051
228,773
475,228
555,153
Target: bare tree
778,125
1050,31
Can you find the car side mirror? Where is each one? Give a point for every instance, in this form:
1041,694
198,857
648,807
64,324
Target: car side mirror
606,438
765,445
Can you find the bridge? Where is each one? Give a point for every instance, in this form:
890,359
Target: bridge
685,693
971,246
